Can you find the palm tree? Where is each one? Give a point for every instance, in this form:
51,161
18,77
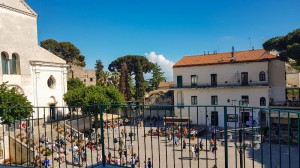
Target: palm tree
115,78
104,79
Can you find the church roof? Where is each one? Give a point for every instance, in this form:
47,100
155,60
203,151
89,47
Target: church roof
42,54
19,6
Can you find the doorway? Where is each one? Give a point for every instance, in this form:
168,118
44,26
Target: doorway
214,118
52,112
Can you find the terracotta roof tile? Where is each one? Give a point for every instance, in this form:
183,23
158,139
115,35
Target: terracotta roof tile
225,58
165,84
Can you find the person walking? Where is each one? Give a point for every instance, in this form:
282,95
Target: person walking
46,162
201,145
132,162
192,151
184,145
196,152
149,164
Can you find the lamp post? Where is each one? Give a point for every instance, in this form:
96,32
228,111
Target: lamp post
241,147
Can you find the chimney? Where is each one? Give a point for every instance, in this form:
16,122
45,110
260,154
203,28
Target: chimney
232,53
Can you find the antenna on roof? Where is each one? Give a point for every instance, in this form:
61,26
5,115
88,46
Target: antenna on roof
250,42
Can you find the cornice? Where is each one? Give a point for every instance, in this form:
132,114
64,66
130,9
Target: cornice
33,14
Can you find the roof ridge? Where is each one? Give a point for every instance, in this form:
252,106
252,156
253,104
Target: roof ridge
221,53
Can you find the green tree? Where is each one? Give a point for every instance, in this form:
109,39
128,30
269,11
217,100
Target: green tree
104,79
140,86
13,106
115,78
137,66
90,97
157,77
288,46
131,62
74,83
98,68
64,50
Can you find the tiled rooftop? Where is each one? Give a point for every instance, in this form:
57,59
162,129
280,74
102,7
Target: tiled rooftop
225,58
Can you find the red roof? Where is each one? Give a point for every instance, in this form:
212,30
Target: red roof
165,84
225,58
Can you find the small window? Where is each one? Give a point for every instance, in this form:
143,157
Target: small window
213,79
194,80
4,60
245,100
262,101
180,101
194,100
13,64
51,82
91,79
84,80
262,76
214,100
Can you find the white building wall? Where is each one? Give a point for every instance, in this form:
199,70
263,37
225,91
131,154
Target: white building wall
225,97
225,72
19,35
277,80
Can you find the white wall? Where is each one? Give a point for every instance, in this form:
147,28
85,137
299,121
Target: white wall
204,98
277,80
225,72
19,35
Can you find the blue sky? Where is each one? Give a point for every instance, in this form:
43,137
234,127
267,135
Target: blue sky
166,30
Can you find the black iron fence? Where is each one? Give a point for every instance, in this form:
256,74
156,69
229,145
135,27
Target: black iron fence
160,136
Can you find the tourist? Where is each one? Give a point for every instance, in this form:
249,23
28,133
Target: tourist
123,161
99,158
122,133
120,152
46,162
118,161
184,145
116,143
211,144
149,164
192,151
214,150
132,162
197,151
201,144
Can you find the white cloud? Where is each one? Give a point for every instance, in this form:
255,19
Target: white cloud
165,64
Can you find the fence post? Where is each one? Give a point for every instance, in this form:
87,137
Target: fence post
225,137
102,134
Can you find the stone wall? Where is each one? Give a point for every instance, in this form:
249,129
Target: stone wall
88,76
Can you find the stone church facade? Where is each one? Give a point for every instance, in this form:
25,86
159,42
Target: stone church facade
35,72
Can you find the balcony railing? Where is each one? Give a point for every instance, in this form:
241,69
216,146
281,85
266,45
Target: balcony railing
223,85
193,136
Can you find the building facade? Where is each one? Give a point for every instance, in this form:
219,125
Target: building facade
247,78
35,72
87,76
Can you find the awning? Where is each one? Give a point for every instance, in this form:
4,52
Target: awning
109,116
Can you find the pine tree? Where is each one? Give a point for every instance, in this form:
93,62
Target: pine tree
98,68
157,77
